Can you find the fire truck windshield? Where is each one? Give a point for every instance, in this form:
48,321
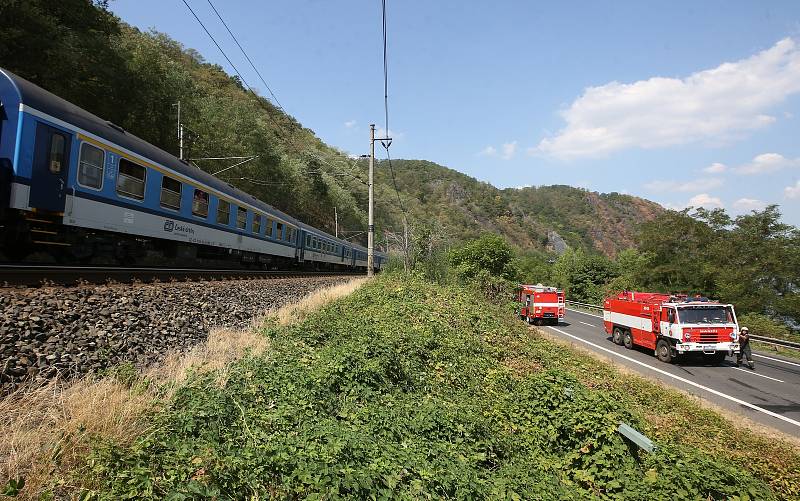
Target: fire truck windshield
705,315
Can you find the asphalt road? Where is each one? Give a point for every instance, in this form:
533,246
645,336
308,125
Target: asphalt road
770,394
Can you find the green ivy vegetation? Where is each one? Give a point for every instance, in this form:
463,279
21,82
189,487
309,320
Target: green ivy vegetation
408,389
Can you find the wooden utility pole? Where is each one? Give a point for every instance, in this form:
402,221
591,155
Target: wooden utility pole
336,220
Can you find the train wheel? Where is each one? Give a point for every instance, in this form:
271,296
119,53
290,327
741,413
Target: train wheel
627,339
616,336
663,351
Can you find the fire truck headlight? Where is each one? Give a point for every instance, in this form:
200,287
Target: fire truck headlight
734,335
687,336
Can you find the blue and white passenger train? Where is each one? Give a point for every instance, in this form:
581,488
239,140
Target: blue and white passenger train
82,188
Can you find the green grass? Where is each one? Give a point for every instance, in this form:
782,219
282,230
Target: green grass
412,390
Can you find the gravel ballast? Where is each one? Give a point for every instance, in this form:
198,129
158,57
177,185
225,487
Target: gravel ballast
45,332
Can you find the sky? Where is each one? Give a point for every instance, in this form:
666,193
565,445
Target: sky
681,102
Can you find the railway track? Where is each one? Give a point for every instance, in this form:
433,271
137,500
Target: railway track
36,275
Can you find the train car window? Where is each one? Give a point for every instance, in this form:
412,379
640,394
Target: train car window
130,179
170,193
57,143
308,241
224,212
256,223
200,203
269,227
279,232
292,232
90,166
241,217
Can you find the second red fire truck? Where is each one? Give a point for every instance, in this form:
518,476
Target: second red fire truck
672,325
540,304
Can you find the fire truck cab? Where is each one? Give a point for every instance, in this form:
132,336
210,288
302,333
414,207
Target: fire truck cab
672,325
539,304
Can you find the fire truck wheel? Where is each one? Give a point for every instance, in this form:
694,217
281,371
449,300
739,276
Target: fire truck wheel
616,336
627,339
663,351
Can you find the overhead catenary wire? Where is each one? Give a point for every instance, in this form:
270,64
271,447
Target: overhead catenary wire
291,139
386,110
218,46
274,97
244,82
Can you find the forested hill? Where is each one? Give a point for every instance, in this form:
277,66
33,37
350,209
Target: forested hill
80,51
532,218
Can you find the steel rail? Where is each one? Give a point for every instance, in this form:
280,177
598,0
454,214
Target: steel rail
38,275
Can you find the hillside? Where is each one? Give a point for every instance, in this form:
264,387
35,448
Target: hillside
134,79
534,218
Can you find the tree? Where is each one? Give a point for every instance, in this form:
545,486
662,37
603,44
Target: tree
489,254
677,244
583,277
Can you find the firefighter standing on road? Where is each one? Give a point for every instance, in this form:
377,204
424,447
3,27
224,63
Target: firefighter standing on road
744,348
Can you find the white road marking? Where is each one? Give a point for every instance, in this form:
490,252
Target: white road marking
684,380
590,314
776,359
590,325
754,354
757,374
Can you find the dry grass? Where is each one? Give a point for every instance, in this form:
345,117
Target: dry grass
296,312
48,429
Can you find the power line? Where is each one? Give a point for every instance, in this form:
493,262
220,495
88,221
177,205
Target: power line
385,72
218,47
291,139
274,97
386,109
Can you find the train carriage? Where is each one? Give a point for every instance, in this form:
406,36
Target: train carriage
76,185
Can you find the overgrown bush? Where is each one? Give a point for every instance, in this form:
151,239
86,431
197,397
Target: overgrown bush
402,390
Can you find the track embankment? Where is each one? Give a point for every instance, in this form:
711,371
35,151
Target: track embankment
50,331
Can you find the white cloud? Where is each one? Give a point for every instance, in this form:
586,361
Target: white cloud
704,200
792,191
695,186
489,151
716,168
768,162
350,124
714,104
509,149
748,204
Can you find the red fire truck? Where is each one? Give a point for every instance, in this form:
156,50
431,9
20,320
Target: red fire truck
672,325
540,304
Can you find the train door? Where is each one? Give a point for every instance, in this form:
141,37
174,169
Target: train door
302,246
50,166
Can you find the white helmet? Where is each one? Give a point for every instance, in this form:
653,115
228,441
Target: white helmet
744,329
